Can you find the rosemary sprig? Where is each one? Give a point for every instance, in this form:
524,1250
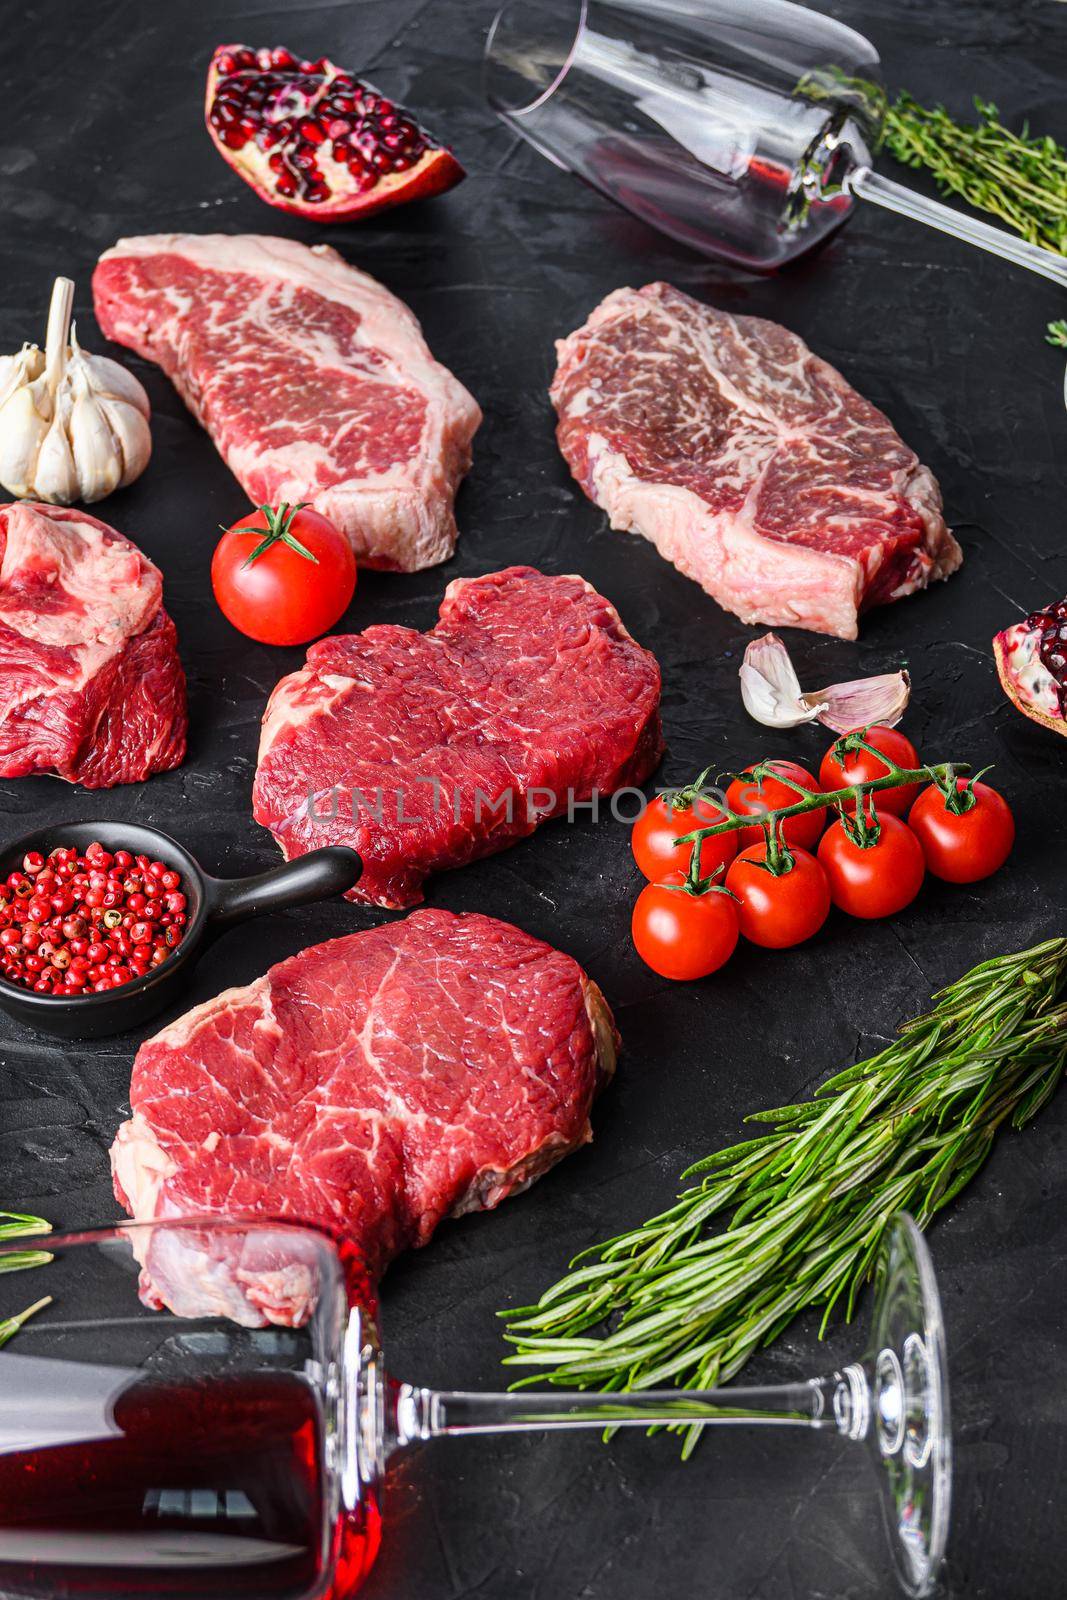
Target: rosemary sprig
672,1302
17,1225
14,1225
9,1326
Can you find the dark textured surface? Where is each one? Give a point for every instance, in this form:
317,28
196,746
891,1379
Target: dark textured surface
950,344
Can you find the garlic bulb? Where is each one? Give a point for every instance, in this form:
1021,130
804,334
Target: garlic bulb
72,426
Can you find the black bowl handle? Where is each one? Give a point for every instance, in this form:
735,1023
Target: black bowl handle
316,876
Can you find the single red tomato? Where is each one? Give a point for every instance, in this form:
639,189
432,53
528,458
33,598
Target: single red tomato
749,798
682,935
841,767
661,823
963,846
283,575
874,880
779,911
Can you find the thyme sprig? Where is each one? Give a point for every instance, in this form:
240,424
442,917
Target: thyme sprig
1019,177
809,1200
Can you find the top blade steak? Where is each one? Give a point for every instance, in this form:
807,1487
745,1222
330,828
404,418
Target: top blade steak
747,461
314,381
429,750
373,1085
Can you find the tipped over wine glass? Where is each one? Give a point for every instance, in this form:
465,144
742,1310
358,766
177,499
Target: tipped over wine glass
238,1443
744,128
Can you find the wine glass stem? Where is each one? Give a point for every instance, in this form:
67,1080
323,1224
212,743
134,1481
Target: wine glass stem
870,185
841,1402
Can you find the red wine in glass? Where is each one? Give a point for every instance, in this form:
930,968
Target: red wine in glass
208,1488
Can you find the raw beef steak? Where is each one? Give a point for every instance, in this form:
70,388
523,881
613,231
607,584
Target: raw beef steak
375,1085
747,461
91,687
428,750
313,380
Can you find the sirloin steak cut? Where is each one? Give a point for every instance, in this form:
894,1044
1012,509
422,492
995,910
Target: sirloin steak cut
374,1085
91,688
428,750
314,381
747,461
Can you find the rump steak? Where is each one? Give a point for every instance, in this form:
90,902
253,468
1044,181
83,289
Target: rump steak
374,1085
747,461
428,750
313,380
91,687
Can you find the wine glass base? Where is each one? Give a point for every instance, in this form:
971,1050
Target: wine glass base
910,1431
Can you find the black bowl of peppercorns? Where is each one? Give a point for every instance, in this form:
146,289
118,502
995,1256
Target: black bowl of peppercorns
101,923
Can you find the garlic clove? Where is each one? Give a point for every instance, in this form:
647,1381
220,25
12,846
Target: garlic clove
22,434
863,702
770,687
19,370
108,378
772,694
96,456
132,436
55,480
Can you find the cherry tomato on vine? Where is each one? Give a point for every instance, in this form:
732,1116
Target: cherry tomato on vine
654,832
876,879
779,911
682,935
964,846
749,798
283,575
840,768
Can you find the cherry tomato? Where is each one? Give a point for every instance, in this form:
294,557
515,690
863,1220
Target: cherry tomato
749,799
962,847
293,589
654,833
878,880
777,912
682,935
838,770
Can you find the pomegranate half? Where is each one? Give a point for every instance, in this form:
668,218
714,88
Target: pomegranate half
313,140
1031,659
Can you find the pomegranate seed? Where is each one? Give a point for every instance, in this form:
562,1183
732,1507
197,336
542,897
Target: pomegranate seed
286,186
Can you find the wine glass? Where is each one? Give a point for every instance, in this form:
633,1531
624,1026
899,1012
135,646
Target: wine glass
745,128
237,1443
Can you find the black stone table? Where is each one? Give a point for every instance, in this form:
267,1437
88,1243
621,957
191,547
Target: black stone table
101,135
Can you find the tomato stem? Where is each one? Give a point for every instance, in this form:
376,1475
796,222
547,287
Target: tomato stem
278,531
819,800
